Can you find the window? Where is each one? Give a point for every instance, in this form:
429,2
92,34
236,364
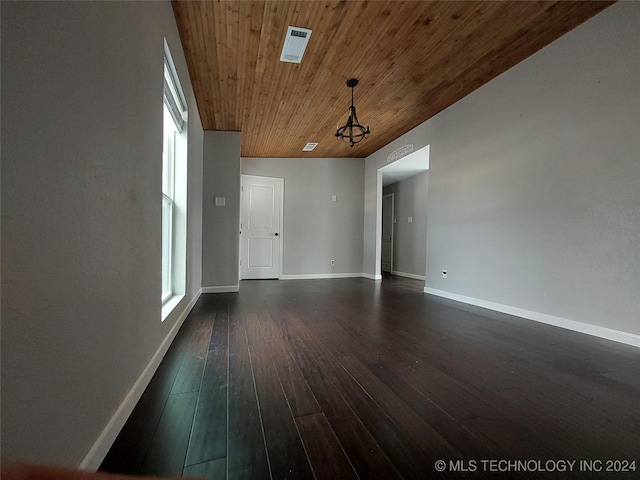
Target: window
174,160
168,203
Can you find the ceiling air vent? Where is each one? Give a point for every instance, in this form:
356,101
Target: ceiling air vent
309,147
295,44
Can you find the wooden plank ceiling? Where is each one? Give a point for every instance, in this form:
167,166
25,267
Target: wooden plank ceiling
413,59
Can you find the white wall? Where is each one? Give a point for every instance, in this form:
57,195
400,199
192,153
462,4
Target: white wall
534,182
410,239
221,225
316,229
81,218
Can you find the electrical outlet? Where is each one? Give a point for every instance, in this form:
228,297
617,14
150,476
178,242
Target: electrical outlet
444,274
333,263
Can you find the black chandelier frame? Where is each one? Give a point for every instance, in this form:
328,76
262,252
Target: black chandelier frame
352,132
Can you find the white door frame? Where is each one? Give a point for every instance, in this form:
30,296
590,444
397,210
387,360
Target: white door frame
393,216
281,232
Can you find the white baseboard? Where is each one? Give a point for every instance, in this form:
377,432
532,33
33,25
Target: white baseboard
314,276
595,330
221,289
371,277
409,275
101,446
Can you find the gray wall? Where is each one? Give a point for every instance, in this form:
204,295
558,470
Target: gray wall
220,225
534,187
81,215
316,229
410,239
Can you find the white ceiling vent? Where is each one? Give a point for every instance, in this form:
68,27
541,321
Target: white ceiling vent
309,147
295,44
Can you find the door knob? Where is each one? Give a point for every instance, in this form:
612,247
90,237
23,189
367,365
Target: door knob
276,234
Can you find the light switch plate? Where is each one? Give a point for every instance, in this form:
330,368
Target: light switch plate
221,201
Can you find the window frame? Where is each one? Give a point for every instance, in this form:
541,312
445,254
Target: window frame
175,105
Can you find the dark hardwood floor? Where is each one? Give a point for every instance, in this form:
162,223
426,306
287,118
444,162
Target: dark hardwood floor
349,378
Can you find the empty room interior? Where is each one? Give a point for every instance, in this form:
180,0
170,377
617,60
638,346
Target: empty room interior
213,267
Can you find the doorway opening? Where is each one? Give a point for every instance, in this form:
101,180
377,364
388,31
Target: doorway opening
403,254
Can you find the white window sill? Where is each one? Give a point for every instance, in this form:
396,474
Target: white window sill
170,305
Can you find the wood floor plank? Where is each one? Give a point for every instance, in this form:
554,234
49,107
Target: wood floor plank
287,458
308,354
213,470
278,349
254,334
237,325
269,327
451,430
325,453
473,438
277,419
295,327
189,375
467,396
209,432
299,396
246,451
402,450
457,400
301,399
168,448
367,457
220,331
566,428
289,461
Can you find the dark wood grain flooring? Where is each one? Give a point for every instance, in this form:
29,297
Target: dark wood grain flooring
349,378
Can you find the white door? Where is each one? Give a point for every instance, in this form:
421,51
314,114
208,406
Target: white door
387,232
260,222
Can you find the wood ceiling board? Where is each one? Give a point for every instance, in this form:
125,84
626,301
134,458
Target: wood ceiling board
413,60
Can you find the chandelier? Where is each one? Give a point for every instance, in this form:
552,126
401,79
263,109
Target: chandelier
352,132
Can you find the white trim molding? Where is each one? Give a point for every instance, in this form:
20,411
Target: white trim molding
101,446
221,289
371,277
594,330
314,276
408,275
